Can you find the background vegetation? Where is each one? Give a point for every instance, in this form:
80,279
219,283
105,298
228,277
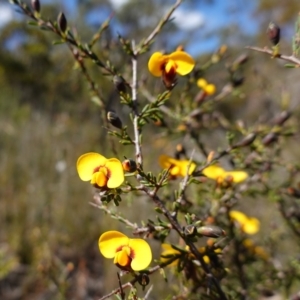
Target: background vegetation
49,232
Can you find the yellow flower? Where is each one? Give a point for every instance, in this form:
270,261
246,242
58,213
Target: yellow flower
176,167
168,253
178,62
256,250
220,175
248,225
128,254
209,89
102,172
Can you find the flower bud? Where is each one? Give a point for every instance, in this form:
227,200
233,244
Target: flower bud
114,120
119,83
293,192
270,138
36,5
282,117
143,279
62,22
211,231
129,165
273,33
246,141
180,150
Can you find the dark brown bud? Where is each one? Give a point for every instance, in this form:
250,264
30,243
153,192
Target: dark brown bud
114,120
282,117
119,83
180,150
143,279
270,138
36,5
62,22
273,33
211,231
169,79
129,165
242,59
246,141
293,192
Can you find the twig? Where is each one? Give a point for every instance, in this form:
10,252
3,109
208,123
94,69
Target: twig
115,216
158,28
163,108
122,294
138,151
159,203
148,292
185,180
265,50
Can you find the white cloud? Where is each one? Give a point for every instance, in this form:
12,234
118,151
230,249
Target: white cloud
6,14
188,20
117,4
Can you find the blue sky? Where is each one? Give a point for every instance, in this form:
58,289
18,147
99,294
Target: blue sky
195,18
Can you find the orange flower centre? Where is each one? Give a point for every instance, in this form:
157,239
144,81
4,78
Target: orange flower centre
101,174
124,256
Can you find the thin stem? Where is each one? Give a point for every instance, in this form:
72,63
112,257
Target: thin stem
138,151
193,248
291,58
158,28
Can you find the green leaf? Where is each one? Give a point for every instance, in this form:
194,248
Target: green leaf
58,42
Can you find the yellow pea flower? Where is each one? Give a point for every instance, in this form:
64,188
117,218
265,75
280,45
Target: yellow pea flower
248,225
178,62
208,88
102,172
170,252
176,167
220,175
128,254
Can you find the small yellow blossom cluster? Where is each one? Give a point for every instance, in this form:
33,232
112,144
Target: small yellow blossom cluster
173,254
181,168
246,224
207,88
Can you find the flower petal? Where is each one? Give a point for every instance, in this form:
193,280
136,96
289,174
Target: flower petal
251,226
186,167
155,63
202,83
170,66
213,172
142,254
116,173
179,167
168,249
110,241
100,178
164,161
210,89
185,63
238,216
237,176
87,163
122,258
